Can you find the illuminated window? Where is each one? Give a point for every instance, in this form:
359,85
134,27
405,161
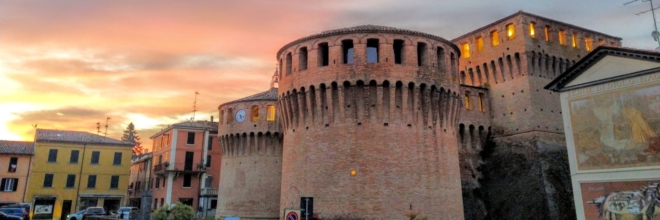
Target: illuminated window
466,100
481,102
562,37
271,113
255,113
546,31
532,32
495,38
574,42
510,31
480,44
601,42
466,50
588,43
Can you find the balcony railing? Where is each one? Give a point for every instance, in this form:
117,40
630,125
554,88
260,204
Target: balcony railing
209,192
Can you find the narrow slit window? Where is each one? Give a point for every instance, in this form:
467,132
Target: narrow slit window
574,42
532,32
588,43
302,59
323,54
495,38
271,113
562,37
398,51
347,51
421,54
510,31
481,102
465,47
255,113
372,51
546,31
480,44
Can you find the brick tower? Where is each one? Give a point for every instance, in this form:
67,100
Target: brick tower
251,141
370,116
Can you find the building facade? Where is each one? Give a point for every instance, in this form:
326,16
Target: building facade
73,170
139,189
15,159
184,170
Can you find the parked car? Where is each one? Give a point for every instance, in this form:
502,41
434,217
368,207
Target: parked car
127,212
4,216
76,216
20,212
24,206
93,211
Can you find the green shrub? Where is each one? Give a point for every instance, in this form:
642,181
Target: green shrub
161,213
179,211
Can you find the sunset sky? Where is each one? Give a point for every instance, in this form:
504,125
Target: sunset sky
71,64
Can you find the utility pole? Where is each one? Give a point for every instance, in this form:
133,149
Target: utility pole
194,107
655,34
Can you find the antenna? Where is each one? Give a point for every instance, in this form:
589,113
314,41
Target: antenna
194,107
98,127
655,34
106,126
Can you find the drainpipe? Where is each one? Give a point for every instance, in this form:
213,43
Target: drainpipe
82,163
27,175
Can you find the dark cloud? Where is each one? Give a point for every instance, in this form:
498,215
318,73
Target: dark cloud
69,114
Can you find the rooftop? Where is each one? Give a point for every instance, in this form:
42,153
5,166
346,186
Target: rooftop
79,137
270,95
195,125
17,147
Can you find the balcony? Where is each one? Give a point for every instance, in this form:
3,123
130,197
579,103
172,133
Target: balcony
208,192
165,168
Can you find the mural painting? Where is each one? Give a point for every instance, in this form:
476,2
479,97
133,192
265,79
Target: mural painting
617,129
621,200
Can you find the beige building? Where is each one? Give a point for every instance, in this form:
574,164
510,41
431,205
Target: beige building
15,159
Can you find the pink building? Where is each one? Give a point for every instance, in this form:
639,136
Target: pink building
15,159
186,166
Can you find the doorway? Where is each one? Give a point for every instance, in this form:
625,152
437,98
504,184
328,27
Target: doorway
66,207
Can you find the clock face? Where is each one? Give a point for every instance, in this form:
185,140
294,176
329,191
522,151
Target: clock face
240,115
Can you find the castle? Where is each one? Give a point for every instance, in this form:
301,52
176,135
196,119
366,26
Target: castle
377,121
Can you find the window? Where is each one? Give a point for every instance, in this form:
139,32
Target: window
588,43
48,180
210,144
323,54
302,58
480,44
52,155
372,50
9,184
117,159
440,55
157,182
222,116
481,102
214,204
230,115
465,50
162,201
494,38
347,51
13,164
114,182
91,181
421,54
187,180
398,51
510,31
601,42
562,37
74,156
288,63
466,99
546,31
574,42
532,32
271,113
191,138
208,160
95,157
70,181
255,113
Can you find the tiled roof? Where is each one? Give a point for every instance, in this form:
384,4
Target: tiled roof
16,147
200,125
47,135
270,95
367,29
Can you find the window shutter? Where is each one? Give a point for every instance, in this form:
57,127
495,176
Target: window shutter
2,185
13,188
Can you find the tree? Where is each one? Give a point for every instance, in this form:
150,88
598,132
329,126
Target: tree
131,135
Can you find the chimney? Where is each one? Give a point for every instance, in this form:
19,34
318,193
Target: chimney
211,118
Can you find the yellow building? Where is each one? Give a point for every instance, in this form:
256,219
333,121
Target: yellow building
73,170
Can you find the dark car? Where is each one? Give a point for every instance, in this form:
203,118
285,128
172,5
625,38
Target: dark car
24,206
20,212
93,211
4,216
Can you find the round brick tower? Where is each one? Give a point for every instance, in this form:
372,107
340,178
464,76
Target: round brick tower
251,140
369,115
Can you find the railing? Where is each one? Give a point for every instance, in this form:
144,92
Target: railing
209,192
158,167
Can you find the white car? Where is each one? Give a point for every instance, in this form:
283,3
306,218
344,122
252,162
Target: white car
76,216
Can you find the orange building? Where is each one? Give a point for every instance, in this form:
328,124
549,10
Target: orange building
15,159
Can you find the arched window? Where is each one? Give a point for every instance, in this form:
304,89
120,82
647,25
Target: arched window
398,51
255,113
302,59
510,31
323,54
494,38
532,32
465,50
271,113
421,54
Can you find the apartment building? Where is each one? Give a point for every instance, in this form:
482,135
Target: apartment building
15,159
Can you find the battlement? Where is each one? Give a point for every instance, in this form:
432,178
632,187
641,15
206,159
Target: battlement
259,144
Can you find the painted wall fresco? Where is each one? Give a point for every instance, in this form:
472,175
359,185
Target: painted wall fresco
617,129
621,200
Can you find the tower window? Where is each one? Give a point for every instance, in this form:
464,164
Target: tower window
288,63
574,42
532,32
323,54
546,31
440,55
347,51
302,59
480,44
601,42
465,50
510,31
230,115
481,102
467,100
398,51
562,37
271,113
421,54
588,43
255,113
372,50
495,38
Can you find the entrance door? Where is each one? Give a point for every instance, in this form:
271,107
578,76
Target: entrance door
66,208
189,160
